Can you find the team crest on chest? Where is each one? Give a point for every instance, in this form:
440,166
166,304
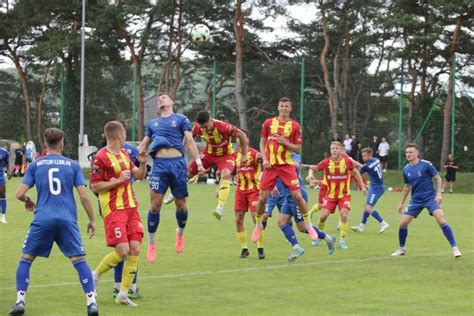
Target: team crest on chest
173,123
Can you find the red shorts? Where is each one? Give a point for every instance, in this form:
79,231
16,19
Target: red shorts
222,162
287,174
245,200
322,193
330,204
122,226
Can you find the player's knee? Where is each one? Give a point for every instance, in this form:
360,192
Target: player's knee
123,251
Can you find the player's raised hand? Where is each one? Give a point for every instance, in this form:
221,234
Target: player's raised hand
438,198
91,229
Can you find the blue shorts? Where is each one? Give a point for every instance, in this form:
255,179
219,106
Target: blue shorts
374,195
290,208
414,208
274,201
42,234
170,173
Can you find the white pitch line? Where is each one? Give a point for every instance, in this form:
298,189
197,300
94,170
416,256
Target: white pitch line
279,266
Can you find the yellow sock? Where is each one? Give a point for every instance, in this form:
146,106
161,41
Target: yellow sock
108,262
315,208
307,219
321,224
129,271
344,229
260,241
224,190
258,219
242,237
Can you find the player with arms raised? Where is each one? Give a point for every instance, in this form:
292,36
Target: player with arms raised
418,176
55,217
280,137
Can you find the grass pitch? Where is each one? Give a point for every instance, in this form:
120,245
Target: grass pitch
209,278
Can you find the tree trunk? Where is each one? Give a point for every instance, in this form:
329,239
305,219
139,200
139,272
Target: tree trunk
40,102
411,108
239,34
24,87
447,105
177,70
324,65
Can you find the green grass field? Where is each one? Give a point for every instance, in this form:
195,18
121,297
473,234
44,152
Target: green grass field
209,278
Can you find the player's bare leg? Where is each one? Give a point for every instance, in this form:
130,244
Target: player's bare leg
181,217
223,192
153,223
259,210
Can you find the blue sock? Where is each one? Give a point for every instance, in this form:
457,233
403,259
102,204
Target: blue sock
3,205
181,218
289,234
118,269
377,216
85,275
153,221
23,274
264,224
402,236
448,232
365,217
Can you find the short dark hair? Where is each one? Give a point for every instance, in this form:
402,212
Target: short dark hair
111,128
53,137
413,145
203,117
368,150
285,99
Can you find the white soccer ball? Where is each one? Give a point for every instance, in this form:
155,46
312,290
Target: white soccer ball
390,189
200,33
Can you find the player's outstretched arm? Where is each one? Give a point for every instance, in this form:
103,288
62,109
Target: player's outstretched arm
21,195
405,192
87,204
191,145
243,141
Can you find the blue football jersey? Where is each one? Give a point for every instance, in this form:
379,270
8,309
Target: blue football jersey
374,170
3,158
168,132
420,177
54,177
132,152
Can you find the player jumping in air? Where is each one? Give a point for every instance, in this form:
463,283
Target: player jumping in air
167,135
418,176
280,137
374,169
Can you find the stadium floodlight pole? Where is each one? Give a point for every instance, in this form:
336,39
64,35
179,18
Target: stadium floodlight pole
135,101
83,57
453,103
400,122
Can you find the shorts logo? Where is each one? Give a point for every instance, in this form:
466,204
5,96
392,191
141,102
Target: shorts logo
347,203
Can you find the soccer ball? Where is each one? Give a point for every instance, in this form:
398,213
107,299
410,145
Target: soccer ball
200,33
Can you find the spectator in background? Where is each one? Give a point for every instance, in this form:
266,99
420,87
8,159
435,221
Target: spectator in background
19,155
355,148
383,153
335,138
374,145
347,144
451,167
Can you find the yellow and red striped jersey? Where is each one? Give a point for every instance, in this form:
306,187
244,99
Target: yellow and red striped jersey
337,175
219,139
277,153
106,166
248,173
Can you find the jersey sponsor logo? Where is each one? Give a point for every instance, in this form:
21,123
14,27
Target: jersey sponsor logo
247,168
343,177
